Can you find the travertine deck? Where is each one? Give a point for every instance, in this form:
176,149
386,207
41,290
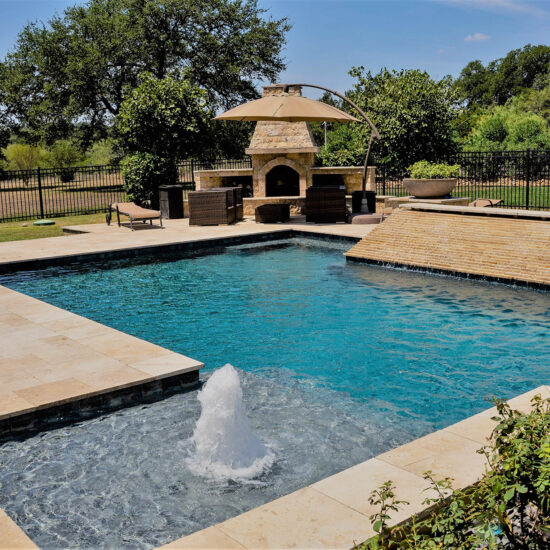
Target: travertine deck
50,356
480,242
103,238
334,512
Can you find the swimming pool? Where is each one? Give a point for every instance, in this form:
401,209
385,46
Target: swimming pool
336,357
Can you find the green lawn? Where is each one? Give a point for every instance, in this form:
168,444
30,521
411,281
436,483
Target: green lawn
17,231
539,197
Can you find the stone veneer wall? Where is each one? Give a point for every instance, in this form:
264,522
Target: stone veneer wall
207,179
352,175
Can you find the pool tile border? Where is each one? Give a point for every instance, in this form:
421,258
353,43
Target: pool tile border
211,245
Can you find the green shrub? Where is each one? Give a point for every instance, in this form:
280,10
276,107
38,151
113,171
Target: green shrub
344,148
101,153
430,170
21,156
509,509
508,128
164,117
143,173
64,156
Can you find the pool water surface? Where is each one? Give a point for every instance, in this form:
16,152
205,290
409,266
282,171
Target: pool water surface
339,361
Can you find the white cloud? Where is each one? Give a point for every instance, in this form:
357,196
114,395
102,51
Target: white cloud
477,37
501,6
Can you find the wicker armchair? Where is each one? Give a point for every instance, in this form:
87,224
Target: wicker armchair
238,202
326,204
212,206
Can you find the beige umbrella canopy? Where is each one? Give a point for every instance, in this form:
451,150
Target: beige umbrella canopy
289,108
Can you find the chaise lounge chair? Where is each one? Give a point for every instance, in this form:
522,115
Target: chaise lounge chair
134,212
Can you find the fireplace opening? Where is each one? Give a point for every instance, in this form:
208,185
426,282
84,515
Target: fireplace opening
282,181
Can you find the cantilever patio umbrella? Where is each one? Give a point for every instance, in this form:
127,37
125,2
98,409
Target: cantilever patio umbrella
291,108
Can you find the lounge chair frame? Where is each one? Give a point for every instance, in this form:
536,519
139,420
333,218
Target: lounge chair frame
139,214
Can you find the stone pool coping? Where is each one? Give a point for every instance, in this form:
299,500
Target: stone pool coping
53,362
334,512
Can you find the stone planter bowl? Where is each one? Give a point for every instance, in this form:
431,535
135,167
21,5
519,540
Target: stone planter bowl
430,189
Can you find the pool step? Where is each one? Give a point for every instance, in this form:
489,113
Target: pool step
453,241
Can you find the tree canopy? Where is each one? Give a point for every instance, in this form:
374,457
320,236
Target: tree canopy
75,71
504,78
413,113
164,117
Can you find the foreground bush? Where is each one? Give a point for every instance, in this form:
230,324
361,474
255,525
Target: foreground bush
21,156
143,173
508,509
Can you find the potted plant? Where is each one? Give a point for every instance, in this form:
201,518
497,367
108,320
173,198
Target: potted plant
431,180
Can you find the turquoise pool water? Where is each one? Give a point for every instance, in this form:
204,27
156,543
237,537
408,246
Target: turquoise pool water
410,344
338,362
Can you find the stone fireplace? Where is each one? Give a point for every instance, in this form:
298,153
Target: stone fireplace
283,165
282,154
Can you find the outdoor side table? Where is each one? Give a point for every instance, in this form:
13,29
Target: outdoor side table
272,213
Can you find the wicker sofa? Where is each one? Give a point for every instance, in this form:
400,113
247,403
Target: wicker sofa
212,206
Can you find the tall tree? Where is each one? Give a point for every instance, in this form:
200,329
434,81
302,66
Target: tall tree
503,78
413,113
79,67
164,117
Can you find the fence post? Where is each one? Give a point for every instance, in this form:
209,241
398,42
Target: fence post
527,178
193,173
383,180
40,192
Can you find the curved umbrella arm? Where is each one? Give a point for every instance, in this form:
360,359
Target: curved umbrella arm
374,131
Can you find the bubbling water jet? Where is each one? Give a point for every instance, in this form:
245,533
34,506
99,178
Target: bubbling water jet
224,446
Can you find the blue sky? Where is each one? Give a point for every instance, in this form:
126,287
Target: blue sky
331,36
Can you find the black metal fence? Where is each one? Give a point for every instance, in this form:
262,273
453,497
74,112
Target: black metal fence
521,179
53,192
